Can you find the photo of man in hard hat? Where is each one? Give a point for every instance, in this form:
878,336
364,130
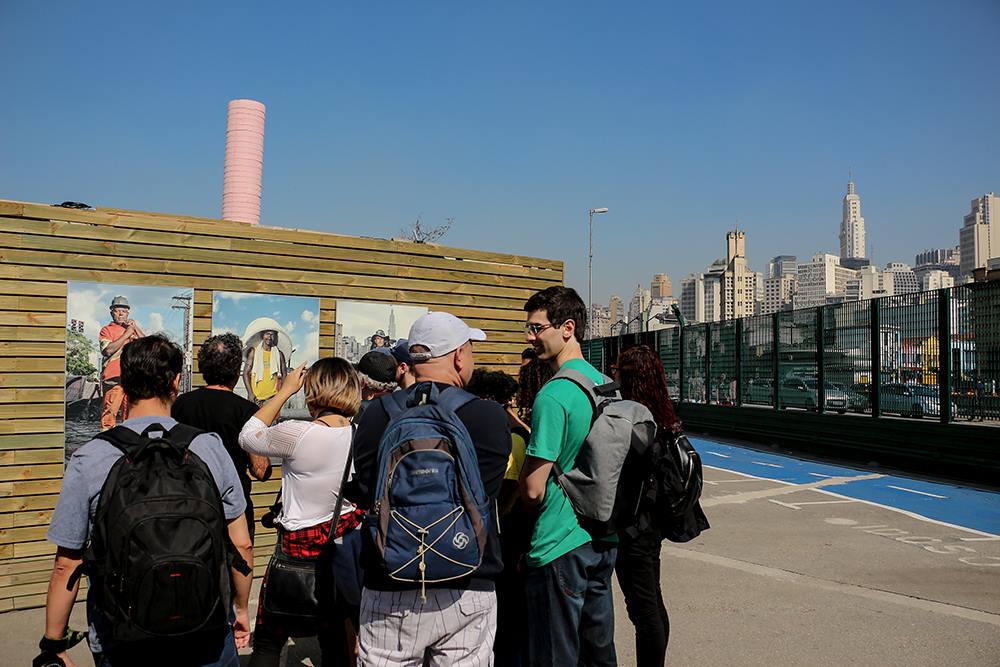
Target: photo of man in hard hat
112,338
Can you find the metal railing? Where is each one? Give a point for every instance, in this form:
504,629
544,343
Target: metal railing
929,355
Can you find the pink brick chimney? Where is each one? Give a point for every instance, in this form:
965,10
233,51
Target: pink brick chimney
241,183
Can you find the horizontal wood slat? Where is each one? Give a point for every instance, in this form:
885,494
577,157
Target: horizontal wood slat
42,247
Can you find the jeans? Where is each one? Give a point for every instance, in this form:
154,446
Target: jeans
638,570
214,653
332,638
571,614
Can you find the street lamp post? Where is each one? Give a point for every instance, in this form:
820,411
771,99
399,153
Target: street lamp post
590,268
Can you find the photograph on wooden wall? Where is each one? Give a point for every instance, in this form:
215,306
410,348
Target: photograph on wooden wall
101,318
363,326
278,333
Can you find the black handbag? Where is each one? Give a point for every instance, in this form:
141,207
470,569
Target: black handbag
300,590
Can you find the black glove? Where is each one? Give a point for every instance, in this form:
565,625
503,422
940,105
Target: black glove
48,659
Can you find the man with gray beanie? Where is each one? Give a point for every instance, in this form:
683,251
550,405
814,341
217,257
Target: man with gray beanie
446,622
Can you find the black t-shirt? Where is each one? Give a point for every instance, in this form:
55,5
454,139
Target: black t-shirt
221,412
489,429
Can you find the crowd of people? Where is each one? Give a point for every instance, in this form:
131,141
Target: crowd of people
420,521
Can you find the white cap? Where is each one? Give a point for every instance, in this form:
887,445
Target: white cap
441,333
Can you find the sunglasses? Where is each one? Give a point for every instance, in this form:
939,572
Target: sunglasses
534,329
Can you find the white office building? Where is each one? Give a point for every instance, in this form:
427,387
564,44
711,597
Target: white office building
979,238
852,226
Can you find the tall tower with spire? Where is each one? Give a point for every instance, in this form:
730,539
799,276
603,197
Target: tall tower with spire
392,323
852,226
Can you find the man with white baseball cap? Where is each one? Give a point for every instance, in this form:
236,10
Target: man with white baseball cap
452,622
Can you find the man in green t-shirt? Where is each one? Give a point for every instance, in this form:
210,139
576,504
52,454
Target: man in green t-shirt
568,582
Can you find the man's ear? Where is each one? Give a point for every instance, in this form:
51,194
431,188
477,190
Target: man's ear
568,329
175,386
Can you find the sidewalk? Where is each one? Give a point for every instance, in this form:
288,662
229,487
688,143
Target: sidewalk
786,576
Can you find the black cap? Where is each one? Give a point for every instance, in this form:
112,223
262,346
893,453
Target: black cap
378,366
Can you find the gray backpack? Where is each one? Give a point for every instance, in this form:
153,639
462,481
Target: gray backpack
611,473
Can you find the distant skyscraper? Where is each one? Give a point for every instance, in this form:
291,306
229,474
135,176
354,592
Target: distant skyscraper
852,226
637,309
980,234
937,259
782,265
822,280
660,287
936,279
904,280
739,283
692,301
615,312
392,324
713,279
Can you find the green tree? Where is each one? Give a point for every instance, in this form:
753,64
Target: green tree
78,351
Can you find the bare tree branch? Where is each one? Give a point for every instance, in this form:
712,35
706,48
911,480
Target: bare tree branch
417,233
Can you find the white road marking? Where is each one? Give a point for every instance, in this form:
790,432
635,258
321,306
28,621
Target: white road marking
725,456
912,515
923,493
769,465
746,496
980,539
816,474
798,506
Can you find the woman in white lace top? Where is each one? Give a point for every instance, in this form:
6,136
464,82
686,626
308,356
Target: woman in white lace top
313,457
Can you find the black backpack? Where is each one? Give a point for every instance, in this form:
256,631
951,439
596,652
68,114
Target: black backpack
159,553
670,502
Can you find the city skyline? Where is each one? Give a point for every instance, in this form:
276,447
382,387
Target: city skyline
681,120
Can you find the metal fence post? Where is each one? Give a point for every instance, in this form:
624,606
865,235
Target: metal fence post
820,370
944,354
739,362
875,391
680,367
775,363
708,363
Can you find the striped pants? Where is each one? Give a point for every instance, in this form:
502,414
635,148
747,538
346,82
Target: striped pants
453,627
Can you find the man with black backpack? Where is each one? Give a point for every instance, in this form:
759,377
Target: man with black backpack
568,582
152,512
429,462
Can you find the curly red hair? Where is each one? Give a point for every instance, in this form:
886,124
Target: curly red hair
642,378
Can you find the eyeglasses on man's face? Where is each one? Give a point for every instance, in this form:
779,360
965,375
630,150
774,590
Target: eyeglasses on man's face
534,328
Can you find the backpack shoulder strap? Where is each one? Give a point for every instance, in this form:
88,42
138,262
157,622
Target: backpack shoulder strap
455,398
395,403
181,435
595,392
125,439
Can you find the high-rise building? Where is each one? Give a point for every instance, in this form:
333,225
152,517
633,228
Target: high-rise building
822,280
599,324
936,279
713,279
778,293
660,287
938,259
979,238
782,265
904,280
637,308
615,312
869,283
692,301
852,226
739,284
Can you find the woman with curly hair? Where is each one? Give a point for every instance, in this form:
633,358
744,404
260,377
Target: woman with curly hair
640,374
531,376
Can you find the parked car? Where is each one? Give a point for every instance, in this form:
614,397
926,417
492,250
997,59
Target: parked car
759,390
857,396
796,392
911,400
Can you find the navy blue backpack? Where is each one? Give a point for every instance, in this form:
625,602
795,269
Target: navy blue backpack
430,512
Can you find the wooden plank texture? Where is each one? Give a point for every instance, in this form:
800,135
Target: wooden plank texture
42,247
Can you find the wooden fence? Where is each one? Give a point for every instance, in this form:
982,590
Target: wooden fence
42,247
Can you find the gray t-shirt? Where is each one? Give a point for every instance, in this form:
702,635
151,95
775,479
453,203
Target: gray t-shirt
86,472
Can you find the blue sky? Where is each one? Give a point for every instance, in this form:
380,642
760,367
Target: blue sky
516,118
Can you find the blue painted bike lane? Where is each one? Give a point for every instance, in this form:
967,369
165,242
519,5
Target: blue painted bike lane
947,503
